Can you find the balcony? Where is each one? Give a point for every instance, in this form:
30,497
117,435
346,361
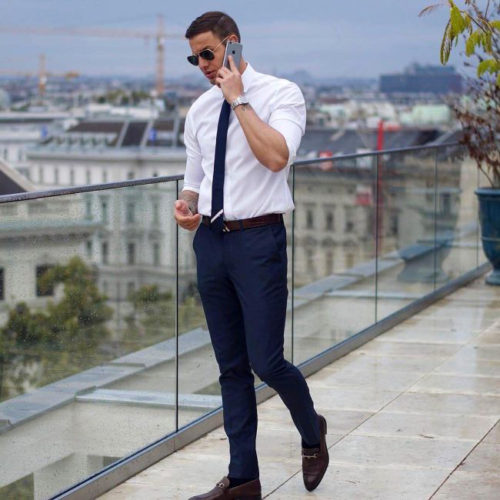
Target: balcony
412,414
92,393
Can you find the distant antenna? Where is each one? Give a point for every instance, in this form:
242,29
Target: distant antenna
160,57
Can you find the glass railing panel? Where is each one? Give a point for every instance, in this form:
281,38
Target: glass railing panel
86,334
334,235
456,214
484,182
199,390
406,249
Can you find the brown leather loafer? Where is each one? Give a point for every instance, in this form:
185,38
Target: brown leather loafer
222,491
315,460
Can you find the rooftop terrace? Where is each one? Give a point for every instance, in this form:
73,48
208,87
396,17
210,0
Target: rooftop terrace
412,414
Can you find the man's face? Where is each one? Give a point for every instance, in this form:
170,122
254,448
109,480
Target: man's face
209,40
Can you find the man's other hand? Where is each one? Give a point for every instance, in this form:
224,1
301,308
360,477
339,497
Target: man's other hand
185,217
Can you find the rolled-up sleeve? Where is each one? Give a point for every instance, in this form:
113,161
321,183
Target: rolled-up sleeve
288,116
194,171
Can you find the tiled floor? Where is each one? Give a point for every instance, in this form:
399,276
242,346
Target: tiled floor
413,414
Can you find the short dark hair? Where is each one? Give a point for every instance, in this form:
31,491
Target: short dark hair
217,22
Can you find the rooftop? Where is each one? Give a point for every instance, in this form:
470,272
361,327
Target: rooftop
413,413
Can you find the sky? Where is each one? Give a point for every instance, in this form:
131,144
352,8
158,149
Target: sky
327,38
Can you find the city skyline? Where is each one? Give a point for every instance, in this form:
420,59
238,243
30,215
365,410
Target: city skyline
328,40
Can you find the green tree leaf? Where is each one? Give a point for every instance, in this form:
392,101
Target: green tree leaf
458,24
446,44
489,65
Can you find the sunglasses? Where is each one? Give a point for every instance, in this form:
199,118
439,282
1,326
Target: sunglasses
207,54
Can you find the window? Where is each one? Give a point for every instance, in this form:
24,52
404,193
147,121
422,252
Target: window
104,252
329,262
156,254
310,261
56,175
104,210
446,204
105,287
87,176
5,154
89,248
349,219
20,155
156,213
130,175
104,176
130,213
40,175
88,209
349,260
309,218
40,271
131,253
2,284
394,225
329,220
71,177
130,288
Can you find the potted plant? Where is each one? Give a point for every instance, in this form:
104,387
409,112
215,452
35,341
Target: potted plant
479,112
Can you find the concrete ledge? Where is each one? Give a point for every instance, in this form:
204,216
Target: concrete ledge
152,398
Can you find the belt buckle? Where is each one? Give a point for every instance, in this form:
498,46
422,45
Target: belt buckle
225,229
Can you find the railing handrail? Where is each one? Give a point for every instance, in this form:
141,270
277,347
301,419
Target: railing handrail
377,153
34,195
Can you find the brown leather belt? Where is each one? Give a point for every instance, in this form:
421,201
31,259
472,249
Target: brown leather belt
237,225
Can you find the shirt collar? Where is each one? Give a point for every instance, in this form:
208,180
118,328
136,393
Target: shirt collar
248,76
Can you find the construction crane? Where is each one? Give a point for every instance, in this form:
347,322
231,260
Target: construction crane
159,36
43,75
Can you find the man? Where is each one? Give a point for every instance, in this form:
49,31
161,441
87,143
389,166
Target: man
241,137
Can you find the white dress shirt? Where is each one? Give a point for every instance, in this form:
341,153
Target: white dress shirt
250,189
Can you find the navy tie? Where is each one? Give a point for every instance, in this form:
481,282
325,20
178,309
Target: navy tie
217,222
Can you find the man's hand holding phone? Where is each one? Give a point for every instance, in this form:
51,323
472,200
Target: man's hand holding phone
185,217
229,81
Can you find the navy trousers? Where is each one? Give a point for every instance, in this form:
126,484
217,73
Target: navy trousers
242,280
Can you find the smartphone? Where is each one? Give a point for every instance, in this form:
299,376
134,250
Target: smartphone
233,49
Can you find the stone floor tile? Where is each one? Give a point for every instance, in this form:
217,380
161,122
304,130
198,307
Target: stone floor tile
484,459
438,336
339,398
468,486
411,349
461,404
385,423
482,352
454,323
457,365
136,491
345,482
365,377
357,360
457,384
494,435
392,452
339,421
489,337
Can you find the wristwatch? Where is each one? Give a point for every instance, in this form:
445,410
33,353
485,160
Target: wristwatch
241,99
